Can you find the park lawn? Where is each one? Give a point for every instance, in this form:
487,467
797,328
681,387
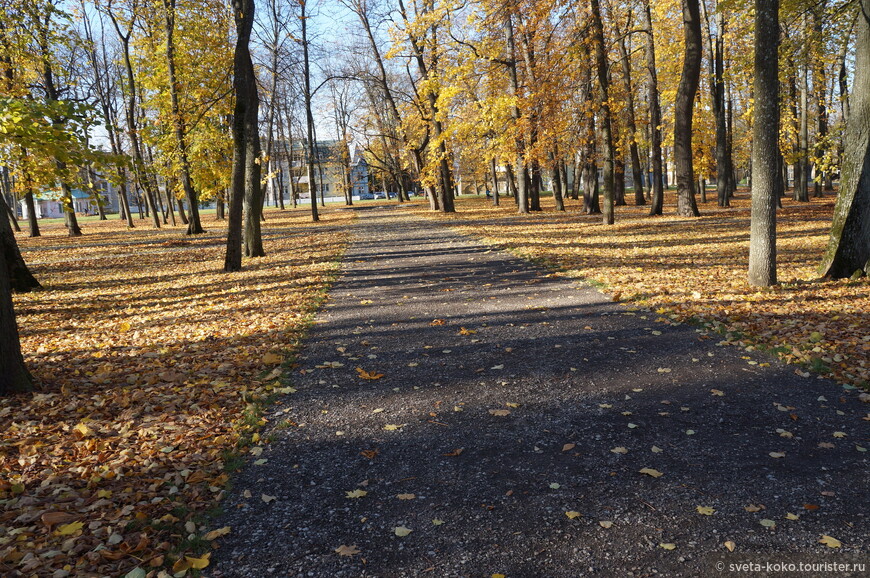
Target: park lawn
151,363
696,269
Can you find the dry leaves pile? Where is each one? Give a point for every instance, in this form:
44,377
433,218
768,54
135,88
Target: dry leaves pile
697,268
149,359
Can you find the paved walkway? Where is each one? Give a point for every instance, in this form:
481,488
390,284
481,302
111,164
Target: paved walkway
509,429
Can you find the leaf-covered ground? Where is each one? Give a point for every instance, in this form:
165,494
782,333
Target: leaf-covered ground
151,363
697,268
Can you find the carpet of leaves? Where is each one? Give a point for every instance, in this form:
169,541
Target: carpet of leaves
696,269
150,362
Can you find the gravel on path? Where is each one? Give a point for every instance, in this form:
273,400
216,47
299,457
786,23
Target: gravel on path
510,430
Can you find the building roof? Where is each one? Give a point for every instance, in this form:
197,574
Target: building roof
57,195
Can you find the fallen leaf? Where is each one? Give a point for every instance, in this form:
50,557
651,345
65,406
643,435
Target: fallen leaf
272,358
705,510
830,541
777,454
500,412
730,545
356,493
839,434
619,450
198,563
656,450
790,516
811,507
664,369
402,531
454,453
605,523
754,508
215,534
393,427
363,374
768,523
406,496
370,454
667,545
555,486
826,445
572,514
437,522
347,550
69,529
267,498
717,392
54,518
651,472
568,447
464,331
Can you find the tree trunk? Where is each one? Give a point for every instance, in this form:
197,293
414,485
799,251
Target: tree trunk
849,245
631,124
245,89
495,194
14,377
556,178
655,116
309,117
765,145
522,191
684,106
604,108
801,192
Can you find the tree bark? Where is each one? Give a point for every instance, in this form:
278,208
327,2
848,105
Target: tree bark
683,108
14,377
18,275
245,89
604,108
655,116
765,145
631,124
848,250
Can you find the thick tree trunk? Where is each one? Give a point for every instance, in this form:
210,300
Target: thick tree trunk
15,269
245,89
655,116
765,145
849,245
604,108
683,109
556,178
522,190
14,377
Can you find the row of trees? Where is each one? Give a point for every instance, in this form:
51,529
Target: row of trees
511,92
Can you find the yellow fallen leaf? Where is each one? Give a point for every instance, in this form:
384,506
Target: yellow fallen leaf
464,331
402,531
84,430
777,454
705,510
619,450
393,427
266,498
718,392
356,493
272,358
754,508
651,472
768,523
830,541
69,529
124,327
198,563
215,534
437,522
572,514
667,545
500,412
790,516
406,496
839,434
730,545
605,523
513,405
656,450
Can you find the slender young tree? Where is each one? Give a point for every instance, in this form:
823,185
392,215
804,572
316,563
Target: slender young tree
765,145
655,115
604,107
